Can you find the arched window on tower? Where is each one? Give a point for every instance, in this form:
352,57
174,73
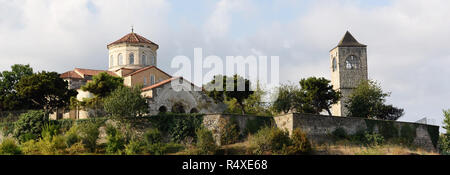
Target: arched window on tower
152,59
144,60
131,56
111,61
352,62
334,64
120,59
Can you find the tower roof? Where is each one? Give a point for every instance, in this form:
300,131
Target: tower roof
133,38
349,41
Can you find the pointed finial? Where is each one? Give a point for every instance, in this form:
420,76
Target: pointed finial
132,29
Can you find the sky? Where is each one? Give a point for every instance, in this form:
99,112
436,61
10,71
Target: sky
408,40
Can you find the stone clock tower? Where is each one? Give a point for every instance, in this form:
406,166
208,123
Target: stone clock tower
348,68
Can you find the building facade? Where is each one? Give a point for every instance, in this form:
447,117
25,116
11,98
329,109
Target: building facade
134,58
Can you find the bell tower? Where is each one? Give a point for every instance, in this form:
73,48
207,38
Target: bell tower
348,62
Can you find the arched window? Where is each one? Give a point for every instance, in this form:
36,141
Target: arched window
352,62
178,108
152,59
111,61
334,64
120,57
131,58
144,59
145,81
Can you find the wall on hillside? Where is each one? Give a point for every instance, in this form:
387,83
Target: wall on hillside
246,124
320,128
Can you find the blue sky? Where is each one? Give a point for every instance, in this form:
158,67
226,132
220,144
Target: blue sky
408,40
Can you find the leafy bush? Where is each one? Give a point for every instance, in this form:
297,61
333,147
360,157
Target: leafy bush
270,139
253,126
115,141
134,148
373,139
76,149
9,147
444,144
87,132
339,133
178,126
300,144
49,130
30,123
152,136
30,148
230,132
163,148
126,102
408,134
7,128
205,142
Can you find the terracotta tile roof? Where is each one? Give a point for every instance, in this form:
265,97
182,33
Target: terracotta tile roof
349,41
167,81
70,74
91,72
160,83
133,38
146,68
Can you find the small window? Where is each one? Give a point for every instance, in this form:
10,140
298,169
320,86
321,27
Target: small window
334,64
131,58
120,59
152,79
152,59
144,60
145,81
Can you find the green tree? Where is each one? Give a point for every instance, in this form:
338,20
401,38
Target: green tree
319,94
236,88
46,90
29,125
254,104
444,139
368,101
9,99
103,84
447,121
126,102
289,97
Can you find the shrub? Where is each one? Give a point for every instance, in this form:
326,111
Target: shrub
205,142
115,141
126,102
339,134
30,148
88,134
76,149
269,139
49,130
230,132
163,148
408,134
373,139
256,124
30,123
9,147
178,126
134,148
72,138
300,143
152,136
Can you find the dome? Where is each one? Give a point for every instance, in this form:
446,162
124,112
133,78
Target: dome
133,38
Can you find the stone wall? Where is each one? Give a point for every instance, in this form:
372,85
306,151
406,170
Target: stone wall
320,128
216,123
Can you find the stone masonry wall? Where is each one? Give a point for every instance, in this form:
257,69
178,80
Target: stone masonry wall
320,128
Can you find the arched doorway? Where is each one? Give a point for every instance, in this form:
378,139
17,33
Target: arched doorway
162,109
194,111
178,108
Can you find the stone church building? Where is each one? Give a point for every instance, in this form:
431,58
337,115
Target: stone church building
134,58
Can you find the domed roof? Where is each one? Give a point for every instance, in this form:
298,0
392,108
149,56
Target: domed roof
133,38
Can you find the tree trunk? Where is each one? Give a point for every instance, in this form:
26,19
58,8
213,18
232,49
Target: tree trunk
329,112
